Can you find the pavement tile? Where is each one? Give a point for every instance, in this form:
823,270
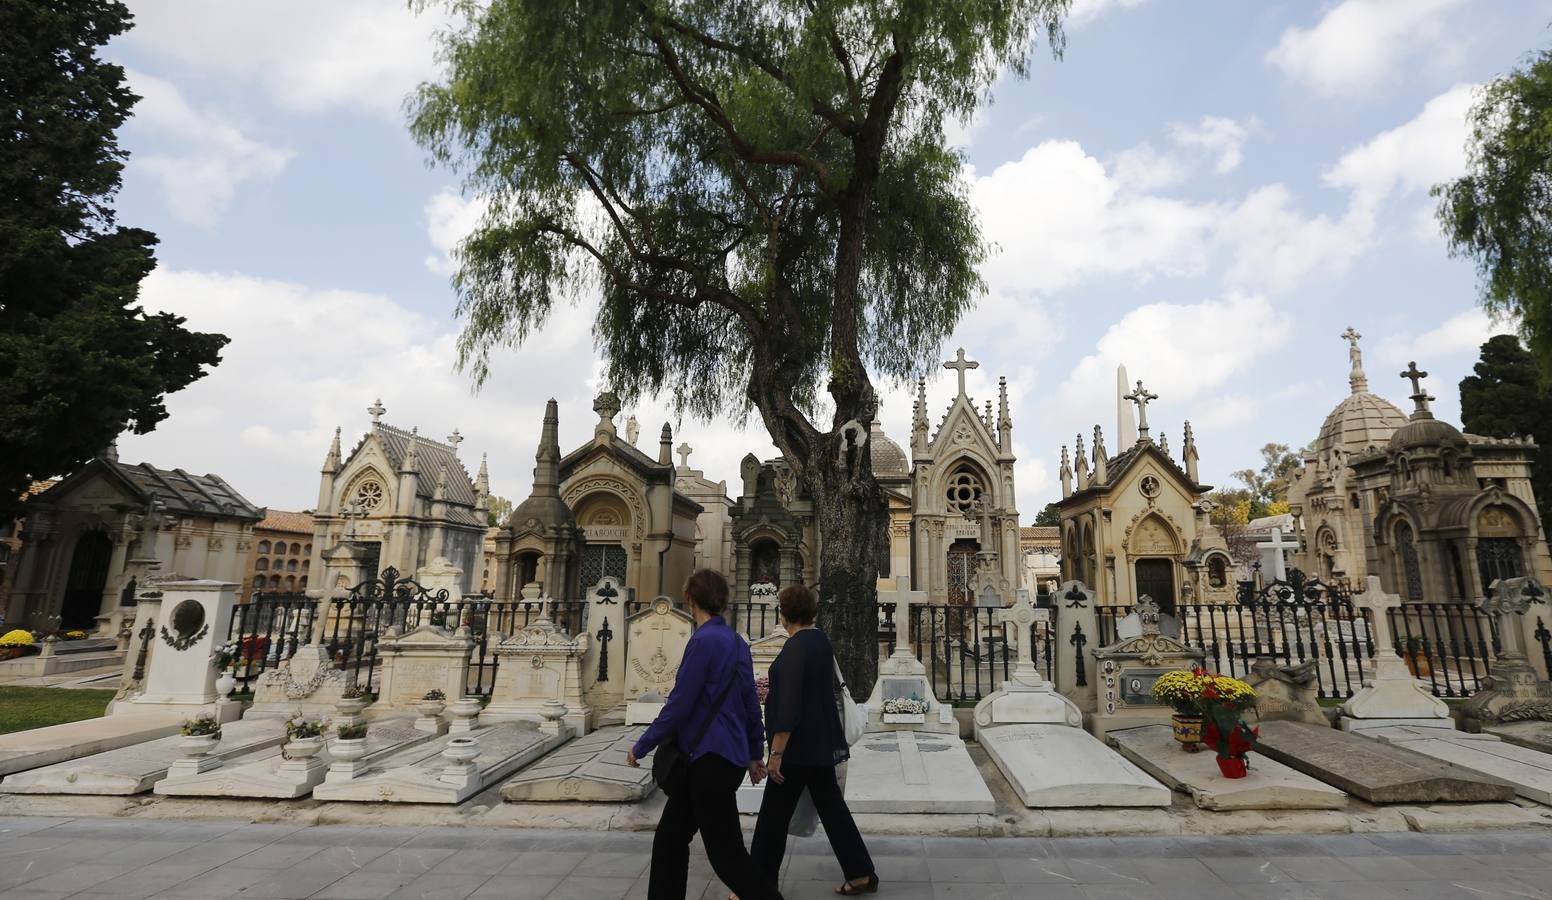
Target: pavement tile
225,881
1503,889
512,886
1102,871
549,862
582,887
613,864
477,861
73,877
1170,872
1035,871
419,860
1247,870
1118,892
1317,869
1084,848
440,887
293,883
367,885
213,853
150,880
276,856
972,870
1385,868
958,848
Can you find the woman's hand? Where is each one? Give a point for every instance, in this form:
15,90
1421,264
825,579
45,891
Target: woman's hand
773,768
630,758
756,771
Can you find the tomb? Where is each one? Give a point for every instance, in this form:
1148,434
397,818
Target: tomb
1373,770
183,618
426,658
268,773
134,770
1515,692
654,645
1390,695
307,683
1528,771
1128,668
1287,693
603,668
539,677
1035,736
590,769
23,750
447,769
1269,785
1531,735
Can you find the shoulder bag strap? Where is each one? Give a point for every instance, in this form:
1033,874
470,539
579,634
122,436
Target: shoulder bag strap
711,712
838,676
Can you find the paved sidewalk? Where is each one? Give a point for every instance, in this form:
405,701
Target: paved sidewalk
91,859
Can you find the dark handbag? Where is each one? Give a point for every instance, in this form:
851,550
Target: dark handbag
671,761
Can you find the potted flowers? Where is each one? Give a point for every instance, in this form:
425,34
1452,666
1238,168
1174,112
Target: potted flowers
905,710
349,742
221,660
432,703
351,702
200,736
14,643
1182,690
1223,703
304,737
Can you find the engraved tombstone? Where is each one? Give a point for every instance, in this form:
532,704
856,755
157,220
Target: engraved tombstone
654,644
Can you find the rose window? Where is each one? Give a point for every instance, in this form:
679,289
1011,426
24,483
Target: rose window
964,492
369,494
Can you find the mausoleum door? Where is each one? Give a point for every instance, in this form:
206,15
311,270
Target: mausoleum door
1499,557
765,563
371,558
88,576
1156,578
600,561
961,563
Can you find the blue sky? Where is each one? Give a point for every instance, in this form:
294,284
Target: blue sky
1208,191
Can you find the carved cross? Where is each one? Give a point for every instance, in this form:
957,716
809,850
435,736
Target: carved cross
961,365
376,410
1141,397
904,599
1378,603
605,635
1510,598
454,440
684,452
1022,615
1416,376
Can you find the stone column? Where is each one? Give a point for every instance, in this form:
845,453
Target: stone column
114,583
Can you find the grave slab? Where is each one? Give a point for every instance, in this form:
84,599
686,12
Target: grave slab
265,773
37,747
1270,784
422,774
1061,766
914,772
134,770
1531,735
590,769
1375,771
1529,771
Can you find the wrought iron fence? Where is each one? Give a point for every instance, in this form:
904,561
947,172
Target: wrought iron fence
1449,644
968,652
1543,637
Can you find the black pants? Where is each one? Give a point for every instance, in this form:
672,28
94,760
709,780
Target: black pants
778,804
708,805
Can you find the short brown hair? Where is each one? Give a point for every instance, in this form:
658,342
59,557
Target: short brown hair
708,590
798,604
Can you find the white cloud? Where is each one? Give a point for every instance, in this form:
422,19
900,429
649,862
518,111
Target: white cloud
1143,168
1085,11
1222,138
449,219
1464,332
1411,157
1275,245
1358,44
213,157
343,54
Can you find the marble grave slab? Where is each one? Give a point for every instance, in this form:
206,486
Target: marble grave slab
1531,735
1269,785
134,770
419,774
1529,771
1051,765
37,747
914,772
1374,770
589,769
265,773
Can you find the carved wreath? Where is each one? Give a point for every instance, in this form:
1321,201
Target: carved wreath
298,690
184,641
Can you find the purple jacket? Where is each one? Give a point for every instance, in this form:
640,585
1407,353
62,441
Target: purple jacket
714,654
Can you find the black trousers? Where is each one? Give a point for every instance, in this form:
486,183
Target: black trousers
781,800
708,805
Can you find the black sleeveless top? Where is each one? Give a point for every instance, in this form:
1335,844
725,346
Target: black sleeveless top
802,700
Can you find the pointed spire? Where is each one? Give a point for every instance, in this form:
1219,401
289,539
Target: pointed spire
665,446
1189,452
1066,473
1356,379
919,419
453,440
1164,443
110,452
1126,423
547,459
1083,463
1101,460
1004,418
988,417
412,458
331,463
482,487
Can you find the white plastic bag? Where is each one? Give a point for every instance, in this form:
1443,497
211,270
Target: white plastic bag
805,818
854,720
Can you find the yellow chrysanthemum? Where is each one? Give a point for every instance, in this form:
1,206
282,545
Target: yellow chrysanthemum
17,638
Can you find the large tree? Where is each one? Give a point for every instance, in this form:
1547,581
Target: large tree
1267,487
1499,213
80,361
1505,398
762,197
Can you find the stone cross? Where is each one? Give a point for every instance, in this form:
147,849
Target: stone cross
376,410
904,599
1141,397
1378,603
1419,396
684,452
1511,597
1277,545
454,440
1022,615
962,365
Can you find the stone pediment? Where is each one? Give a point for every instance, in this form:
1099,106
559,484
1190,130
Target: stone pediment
1148,649
428,636
962,428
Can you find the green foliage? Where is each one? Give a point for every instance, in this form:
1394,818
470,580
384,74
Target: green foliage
80,362
1505,398
1050,515
1267,487
1499,213
497,509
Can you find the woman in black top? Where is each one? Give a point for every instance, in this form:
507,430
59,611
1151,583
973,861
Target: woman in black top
807,743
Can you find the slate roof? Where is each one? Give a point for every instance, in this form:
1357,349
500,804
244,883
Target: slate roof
177,490
431,457
1117,465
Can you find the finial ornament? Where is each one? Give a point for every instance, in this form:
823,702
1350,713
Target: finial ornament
376,410
1358,380
684,452
454,440
962,365
1142,398
1419,396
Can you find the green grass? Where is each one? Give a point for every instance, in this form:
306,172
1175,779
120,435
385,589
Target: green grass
22,708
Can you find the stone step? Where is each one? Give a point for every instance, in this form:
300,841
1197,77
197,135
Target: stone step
89,645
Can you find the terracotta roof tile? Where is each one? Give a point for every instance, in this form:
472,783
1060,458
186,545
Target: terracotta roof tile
282,520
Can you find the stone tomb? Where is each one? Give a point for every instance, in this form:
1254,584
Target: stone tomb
180,677
426,658
23,750
1531,735
591,769
1390,695
307,683
539,677
1372,770
1528,771
134,770
603,668
1515,692
1270,784
1036,737
1287,693
654,645
267,773
448,769
1128,669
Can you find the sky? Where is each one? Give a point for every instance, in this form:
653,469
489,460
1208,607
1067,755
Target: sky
1209,192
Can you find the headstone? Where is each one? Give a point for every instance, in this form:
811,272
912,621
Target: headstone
1128,668
1146,614
1374,770
268,773
1390,695
425,659
1077,633
307,683
1287,693
1269,784
447,769
539,677
590,769
603,669
988,598
654,644
196,615
1528,771
902,676
134,770
36,747
1515,691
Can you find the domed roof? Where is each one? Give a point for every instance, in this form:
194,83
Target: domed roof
1425,431
888,459
1362,420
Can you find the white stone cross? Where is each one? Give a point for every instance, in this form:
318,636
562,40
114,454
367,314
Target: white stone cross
1141,397
454,440
1378,603
904,599
1022,615
962,365
376,410
1277,545
684,455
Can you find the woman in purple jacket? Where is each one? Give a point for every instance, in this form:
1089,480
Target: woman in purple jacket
716,664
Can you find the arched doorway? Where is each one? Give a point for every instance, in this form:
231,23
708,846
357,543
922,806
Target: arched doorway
88,576
1156,578
765,563
961,565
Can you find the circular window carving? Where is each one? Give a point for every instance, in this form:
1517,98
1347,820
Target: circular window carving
369,494
964,492
1149,486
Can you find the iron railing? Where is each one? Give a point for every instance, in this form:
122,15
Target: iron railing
967,651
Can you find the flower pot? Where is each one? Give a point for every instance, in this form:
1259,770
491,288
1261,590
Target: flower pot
430,709
1233,766
303,748
1417,664
904,718
350,707
348,750
225,684
1188,729
461,750
196,746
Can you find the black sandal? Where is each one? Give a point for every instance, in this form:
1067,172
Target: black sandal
859,886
